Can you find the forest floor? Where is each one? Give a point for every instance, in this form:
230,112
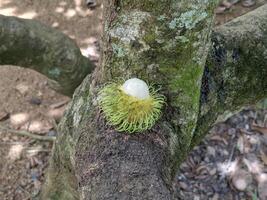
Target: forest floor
229,164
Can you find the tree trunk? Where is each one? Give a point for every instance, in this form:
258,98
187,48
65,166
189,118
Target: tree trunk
28,43
165,44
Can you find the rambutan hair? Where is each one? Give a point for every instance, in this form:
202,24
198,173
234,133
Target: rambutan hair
129,113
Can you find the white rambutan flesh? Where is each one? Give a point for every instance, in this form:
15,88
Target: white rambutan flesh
136,88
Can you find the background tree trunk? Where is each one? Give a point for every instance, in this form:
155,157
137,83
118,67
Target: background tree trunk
164,44
31,44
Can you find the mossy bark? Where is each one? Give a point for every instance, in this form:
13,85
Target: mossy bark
236,69
30,44
165,44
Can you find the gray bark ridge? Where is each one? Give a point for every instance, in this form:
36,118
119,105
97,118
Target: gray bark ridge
31,44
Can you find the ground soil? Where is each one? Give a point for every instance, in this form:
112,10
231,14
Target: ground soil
27,103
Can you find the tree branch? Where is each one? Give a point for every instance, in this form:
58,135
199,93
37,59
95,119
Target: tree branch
236,69
31,44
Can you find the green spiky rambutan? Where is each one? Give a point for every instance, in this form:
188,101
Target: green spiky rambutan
132,106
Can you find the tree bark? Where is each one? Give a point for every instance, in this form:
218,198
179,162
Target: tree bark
236,69
28,43
165,44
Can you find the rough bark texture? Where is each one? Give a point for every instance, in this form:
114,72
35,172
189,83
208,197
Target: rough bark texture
165,44
30,44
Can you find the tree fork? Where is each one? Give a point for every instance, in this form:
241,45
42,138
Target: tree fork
162,43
